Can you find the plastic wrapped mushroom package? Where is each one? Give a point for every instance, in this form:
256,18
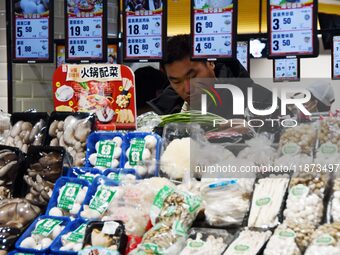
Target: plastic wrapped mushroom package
335,201
71,133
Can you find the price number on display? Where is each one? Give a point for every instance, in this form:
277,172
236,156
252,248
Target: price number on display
76,30
206,46
135,29
199,26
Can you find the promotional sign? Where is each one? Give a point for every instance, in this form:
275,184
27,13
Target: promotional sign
243,54
292,27
85,30
32,31
112,54
144,30
286,69
213,29
104,89
336,58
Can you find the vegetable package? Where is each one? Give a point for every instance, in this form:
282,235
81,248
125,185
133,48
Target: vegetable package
335,201
70,130
84,173
122,175
27,129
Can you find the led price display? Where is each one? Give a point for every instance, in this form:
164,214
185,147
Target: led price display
292,27
243,54
32,33
213,29
144,25
336,58
85,30
286,69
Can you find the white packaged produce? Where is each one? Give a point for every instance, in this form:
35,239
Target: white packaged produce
267,201
73,240
335,201
305,199
326,240
248,243
226,201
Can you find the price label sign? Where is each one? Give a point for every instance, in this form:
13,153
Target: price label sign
292,28
85,30
145,30
243,54
336,58
33,31
286,69
213,29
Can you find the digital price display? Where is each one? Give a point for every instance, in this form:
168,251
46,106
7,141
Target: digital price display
213,29
336,58
292,28
86,30
286,69
33,31
243,54
144,30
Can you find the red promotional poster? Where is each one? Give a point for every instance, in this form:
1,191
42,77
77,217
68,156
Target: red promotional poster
106,90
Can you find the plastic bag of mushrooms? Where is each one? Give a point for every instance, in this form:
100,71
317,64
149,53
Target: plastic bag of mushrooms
70,130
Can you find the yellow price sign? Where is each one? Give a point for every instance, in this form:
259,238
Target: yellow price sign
58,84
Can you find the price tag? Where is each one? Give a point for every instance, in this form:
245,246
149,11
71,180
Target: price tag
243,54
336,57
31,35
144,28
213,29
286,69
85,31
292,28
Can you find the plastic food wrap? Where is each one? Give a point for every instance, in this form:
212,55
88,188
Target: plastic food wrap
17,212
11,161
248,243
67,197
5,126
109,235
326,240
105,150
84,173
143,153
226,201
71,239
122,175
305,199
267,202
40,234
45,167
206,241
335,201
27,129
70,130
147,122
298,140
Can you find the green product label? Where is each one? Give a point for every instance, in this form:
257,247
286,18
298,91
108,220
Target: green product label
114,176
325,240
194,202
46,226
136,151
89,178
151,247
328,149
263,201
179,229
77,236
299,191
287,234
196,244
241,248
102,199
68,195
290,149
105,153
162,195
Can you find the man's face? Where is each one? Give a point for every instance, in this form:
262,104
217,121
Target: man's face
180,72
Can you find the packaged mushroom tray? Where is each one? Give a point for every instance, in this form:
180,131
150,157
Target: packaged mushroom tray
122,175
84,173
70,130
71,239
11,163
143,153
44,166
105,150
27,129
326,240
67,197
39,236
334,206
206,241
305,202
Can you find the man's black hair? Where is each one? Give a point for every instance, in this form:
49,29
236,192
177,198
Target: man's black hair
178,48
